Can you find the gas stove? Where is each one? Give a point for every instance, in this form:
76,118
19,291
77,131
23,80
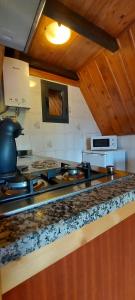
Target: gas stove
42,181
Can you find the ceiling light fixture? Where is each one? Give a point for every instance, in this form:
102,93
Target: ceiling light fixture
57,33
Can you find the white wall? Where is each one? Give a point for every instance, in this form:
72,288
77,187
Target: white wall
64,141
128,143
58,140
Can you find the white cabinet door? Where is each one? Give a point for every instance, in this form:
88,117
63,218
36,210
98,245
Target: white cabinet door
105,158
96,159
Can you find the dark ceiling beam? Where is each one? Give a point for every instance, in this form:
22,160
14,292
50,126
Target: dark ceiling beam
62,14
40,65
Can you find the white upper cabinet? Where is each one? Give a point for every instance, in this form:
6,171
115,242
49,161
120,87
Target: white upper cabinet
18,20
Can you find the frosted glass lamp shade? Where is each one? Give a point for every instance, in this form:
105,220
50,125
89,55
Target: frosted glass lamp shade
57,34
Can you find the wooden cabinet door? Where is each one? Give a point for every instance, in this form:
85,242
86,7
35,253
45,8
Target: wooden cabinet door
103,269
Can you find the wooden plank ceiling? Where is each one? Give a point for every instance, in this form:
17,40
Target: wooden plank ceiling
107,80
71,55
111,15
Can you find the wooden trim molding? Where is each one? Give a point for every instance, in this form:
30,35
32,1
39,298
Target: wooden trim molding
18,271
53,77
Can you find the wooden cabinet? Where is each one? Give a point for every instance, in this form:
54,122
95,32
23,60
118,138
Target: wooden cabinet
103,269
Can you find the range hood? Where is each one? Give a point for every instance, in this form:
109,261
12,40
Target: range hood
18,21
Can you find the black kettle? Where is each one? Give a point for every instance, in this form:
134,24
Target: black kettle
9,130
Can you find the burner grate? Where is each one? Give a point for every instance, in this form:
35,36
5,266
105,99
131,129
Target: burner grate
27,185
45,164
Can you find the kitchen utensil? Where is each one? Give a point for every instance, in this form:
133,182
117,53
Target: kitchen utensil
110,169
73,171
70,169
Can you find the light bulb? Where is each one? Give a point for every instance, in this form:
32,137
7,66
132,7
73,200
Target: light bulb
57,34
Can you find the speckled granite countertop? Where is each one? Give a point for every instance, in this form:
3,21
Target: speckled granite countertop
26,232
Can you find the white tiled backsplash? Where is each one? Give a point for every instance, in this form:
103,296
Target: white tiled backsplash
64,141
58,140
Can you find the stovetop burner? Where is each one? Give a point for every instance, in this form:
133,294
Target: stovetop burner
20,181
6,176
21,185
44,164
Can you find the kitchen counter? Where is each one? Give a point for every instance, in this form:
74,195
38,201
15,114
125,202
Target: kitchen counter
35,239
25,232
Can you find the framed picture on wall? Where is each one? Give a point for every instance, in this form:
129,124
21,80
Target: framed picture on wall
54,102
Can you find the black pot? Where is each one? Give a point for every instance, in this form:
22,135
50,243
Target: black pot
71,170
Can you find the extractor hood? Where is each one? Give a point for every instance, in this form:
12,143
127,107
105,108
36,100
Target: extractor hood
18,21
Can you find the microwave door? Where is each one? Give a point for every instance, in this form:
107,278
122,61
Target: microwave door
101,143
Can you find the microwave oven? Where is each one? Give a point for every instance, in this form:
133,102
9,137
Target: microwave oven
102,142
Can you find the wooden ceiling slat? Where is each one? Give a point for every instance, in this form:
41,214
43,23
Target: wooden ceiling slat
112,15
71,55
61,13
76,48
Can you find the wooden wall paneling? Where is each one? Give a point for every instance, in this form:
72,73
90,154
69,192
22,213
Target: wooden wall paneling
127,52
120,76
113,78
99,114
104,99
107,100
94,101
100,100
102,269
88,96
94,109
110,82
